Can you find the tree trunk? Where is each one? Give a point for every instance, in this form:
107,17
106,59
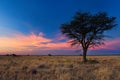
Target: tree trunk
84,55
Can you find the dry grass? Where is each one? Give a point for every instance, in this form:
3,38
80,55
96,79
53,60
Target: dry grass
59,68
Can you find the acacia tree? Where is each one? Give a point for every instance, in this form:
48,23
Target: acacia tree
87,30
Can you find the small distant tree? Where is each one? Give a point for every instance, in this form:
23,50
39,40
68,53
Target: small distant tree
7,55
13,55
87,30
49,55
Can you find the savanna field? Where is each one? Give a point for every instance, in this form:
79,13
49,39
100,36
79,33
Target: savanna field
59,68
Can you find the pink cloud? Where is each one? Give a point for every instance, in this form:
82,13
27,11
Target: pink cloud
113,44
21,43
59,37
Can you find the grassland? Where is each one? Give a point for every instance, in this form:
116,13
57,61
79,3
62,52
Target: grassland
59,68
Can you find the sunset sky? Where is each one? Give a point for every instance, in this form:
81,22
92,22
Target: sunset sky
33,26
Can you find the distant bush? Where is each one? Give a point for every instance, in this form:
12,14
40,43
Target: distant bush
13,55
10,55
80,54
7,55
49,55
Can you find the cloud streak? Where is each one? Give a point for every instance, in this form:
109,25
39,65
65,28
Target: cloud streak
27,43
110,45
20,43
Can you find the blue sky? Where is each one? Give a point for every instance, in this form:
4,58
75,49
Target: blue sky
42,18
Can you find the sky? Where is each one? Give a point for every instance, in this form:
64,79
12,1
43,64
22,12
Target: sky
33,26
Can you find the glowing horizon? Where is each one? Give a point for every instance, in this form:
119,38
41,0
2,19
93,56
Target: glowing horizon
20,43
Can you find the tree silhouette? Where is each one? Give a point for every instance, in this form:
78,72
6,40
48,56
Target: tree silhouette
87,30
